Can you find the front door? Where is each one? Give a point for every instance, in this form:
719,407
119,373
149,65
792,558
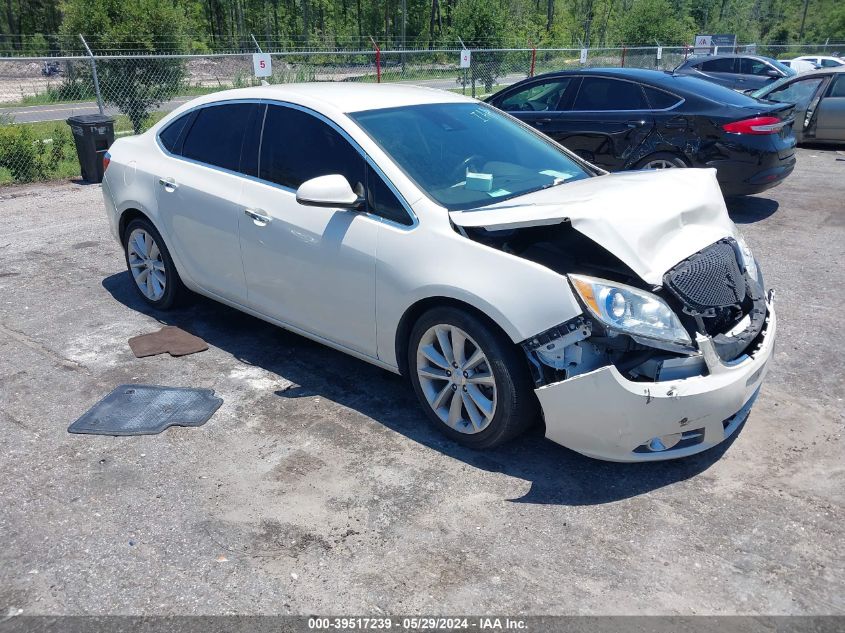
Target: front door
540,103
804,94
830,124
312,268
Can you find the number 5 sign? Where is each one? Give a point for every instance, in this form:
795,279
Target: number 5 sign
262,64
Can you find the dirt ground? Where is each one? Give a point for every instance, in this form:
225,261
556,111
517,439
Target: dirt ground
319,487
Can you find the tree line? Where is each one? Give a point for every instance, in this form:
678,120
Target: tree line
51,26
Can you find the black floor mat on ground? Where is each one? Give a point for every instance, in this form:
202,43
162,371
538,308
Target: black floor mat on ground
147,410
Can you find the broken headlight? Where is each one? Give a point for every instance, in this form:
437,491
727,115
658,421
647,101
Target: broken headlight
746,258
629,310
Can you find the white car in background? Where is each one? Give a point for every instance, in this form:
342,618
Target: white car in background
799,65
822,61
437,237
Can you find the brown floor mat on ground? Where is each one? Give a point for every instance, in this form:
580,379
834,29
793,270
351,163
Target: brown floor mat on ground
170,339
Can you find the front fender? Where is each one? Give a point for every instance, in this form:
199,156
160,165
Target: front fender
522,297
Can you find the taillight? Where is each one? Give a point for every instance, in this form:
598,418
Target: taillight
756,125
106,161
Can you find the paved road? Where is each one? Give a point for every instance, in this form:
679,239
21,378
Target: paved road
319,486
61,111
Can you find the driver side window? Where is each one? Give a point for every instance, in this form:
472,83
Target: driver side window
753,67
297,146
537,97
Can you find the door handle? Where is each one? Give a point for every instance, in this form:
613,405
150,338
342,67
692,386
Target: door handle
168,183
258,216
633,124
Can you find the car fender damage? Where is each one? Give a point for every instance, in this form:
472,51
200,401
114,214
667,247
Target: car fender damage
617,395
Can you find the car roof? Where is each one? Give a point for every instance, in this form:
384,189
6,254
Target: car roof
699,58
681,84
820,71
343,97
640,74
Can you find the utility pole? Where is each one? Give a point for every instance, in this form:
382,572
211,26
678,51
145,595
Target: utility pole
803,19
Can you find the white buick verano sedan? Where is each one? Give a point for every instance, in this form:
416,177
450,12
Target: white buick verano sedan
436,237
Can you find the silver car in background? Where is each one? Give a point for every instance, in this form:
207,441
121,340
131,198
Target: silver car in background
819,98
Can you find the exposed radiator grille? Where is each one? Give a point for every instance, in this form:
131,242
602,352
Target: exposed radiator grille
709,280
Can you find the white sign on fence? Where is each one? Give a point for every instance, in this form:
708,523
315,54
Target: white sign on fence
466,57
583,56
659,52
703,43
262,64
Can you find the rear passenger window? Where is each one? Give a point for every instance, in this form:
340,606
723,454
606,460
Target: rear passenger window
298,146
598,93
383,202
721,65
217,134
171,136
660,100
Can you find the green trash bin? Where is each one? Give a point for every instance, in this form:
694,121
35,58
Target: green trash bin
93,134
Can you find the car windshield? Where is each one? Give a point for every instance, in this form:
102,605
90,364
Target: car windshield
467,155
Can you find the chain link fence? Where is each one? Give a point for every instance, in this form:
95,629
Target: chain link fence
37,94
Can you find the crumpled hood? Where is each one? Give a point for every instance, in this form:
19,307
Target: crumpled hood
650,220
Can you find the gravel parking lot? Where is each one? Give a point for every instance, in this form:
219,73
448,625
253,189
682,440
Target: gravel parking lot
319,487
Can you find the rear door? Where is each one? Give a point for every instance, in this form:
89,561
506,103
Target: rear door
199,188
609,119
830,122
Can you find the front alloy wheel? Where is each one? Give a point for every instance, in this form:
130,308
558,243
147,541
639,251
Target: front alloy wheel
456,378
470,378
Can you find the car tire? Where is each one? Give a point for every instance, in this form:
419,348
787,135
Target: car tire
490,370
662,160
146,254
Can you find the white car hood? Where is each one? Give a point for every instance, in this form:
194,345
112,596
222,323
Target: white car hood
650,220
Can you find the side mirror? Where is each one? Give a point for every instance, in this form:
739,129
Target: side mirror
331,191
773,74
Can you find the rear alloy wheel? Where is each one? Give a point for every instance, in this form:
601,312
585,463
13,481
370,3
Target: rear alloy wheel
664,160
150,265
469,378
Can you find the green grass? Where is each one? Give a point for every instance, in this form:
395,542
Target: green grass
45,150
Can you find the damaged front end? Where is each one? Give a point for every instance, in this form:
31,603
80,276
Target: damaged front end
676,330
617,395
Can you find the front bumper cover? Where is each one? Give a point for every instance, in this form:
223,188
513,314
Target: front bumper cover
601,414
